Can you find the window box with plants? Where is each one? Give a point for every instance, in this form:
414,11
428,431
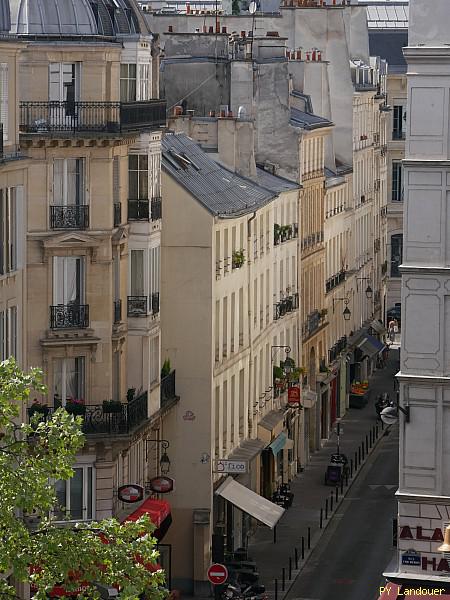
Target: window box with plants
323,313
112,406
238,259
76,406
276,234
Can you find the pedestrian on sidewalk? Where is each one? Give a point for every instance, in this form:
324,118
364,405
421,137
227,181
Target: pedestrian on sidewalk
391,330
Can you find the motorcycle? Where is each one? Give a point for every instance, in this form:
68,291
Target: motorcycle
251,592
383,401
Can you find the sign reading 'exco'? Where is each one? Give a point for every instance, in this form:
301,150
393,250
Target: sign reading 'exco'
230,466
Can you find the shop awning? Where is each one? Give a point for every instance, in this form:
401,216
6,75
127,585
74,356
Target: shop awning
370,346
278,443
159,513
255,505
378,327
271,420
248,450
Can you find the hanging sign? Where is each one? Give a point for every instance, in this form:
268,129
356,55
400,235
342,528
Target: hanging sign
294,396
130,493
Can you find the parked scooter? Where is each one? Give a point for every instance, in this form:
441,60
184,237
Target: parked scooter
251,592
283,496
383,401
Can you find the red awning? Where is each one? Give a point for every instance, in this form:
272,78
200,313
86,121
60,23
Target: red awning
157,510
415,591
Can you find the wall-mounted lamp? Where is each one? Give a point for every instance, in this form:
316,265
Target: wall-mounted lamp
369,290
446,545
164,461
347,312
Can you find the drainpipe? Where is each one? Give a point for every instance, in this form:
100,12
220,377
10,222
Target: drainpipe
249,324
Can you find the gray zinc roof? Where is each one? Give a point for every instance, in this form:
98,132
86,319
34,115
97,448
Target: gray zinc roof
219,190
308,120
389,44
275,182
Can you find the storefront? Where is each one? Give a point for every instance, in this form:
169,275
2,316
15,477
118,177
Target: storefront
363,359
271,430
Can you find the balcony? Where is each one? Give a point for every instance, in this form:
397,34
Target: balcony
74,216
156,205
138,210
91,117
108,418
167,388
398,134
285,306
155,303
137,306
69,316
334,281
117,214
117,311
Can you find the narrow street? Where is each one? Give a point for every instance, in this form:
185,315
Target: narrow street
357,546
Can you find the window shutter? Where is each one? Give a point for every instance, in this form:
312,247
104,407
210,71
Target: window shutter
4,98
116,180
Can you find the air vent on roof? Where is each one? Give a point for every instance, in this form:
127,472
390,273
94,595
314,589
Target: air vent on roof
270,167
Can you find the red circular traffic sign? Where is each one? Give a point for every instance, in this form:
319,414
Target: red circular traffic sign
217,574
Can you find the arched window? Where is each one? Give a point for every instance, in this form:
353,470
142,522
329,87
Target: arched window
396,253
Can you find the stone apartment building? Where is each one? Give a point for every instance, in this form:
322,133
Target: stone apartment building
79,293
224,262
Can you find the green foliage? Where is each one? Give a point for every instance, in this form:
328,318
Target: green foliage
31,457
235,7
238,258
166,368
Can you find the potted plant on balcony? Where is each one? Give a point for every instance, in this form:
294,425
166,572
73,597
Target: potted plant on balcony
38,408
237,259
276,234
112,406
279,377
166,368
323,313
76,406
130,394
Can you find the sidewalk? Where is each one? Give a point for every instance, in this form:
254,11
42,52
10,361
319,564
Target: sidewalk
311,493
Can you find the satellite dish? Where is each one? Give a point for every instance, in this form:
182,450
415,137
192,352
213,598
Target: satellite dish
252,7
389,415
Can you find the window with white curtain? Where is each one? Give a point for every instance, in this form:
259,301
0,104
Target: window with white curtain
76,496
127,82
138,177
68,280
4,99
68,181
137,273
68,379
64,82
144,82
155,258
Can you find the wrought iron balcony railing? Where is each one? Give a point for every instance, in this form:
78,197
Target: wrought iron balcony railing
69,316
167,388
285,306
92,117
138,210
155,303
105,419
137,306
117,214
117,311
74,216
156,208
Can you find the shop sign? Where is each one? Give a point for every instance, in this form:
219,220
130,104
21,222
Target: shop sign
230,466
406,533
161,484
294,396
130,493
411,558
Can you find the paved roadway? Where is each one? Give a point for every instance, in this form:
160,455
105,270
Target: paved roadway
357,545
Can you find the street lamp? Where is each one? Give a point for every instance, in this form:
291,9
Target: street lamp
369,290
347,312
164,461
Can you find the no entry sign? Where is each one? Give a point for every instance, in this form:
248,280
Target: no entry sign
217,574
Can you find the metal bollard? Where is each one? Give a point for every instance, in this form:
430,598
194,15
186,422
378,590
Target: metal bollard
276,589
275,534
331,502
290,568
362,451
342,486
359,455
370,438
296,558
382,426
376,430
309,538
351,468
337,493
326,508
321,519
283,579
367,445
303,548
